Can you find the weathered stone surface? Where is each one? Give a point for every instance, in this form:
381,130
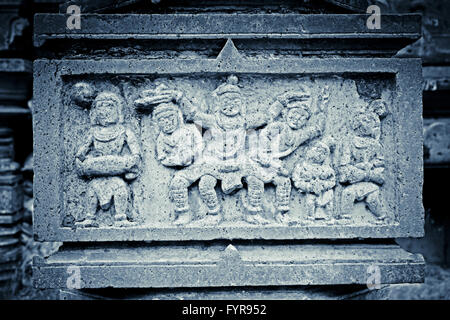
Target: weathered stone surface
220,25
11,195
211,266
151,196
250,142
305,35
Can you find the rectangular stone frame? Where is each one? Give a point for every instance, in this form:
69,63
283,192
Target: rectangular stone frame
48,142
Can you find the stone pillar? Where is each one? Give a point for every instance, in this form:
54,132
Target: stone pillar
15,90
15,75
10,213
314,108
433,49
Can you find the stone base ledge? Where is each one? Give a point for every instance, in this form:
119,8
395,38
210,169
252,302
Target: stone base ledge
219,265
346,292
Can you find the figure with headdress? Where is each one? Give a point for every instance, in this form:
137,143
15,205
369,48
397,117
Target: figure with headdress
109,157
178,144
224,158
361,166
280,139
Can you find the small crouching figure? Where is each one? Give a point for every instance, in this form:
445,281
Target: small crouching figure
316,179
178,144
109,157
361,167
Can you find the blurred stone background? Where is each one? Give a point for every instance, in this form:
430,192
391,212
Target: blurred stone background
17,246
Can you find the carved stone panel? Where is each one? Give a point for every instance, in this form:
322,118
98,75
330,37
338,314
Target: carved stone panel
236,148
172,149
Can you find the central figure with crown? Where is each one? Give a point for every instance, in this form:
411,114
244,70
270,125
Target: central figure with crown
224,157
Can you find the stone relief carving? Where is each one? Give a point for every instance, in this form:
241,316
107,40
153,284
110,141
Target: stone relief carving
178,143
221,150
281,138
315,177
108,157
361,167
223,158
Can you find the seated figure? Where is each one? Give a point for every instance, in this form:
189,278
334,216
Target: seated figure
109,157
361,167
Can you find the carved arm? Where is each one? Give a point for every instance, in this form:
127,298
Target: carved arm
84,148
302,179
262,118
133,144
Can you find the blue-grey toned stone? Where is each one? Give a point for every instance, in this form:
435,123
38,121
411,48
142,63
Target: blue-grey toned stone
405,171
199,266
136,147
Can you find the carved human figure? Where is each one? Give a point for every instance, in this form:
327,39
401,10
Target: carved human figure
178,144
361,166
316,179
109,156
280,139
224,158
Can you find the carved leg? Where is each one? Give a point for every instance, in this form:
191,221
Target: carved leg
92,205
209,196
310,201
121,202
283,193
329,207
374,204
91,209
255,193
348,198
179,195
254,207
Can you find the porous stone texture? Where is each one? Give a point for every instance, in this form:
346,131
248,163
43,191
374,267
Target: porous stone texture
399,203
236,144
218,265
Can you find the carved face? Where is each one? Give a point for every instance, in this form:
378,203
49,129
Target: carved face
168,122
106,113
317,154
296,118
230,104
367,125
